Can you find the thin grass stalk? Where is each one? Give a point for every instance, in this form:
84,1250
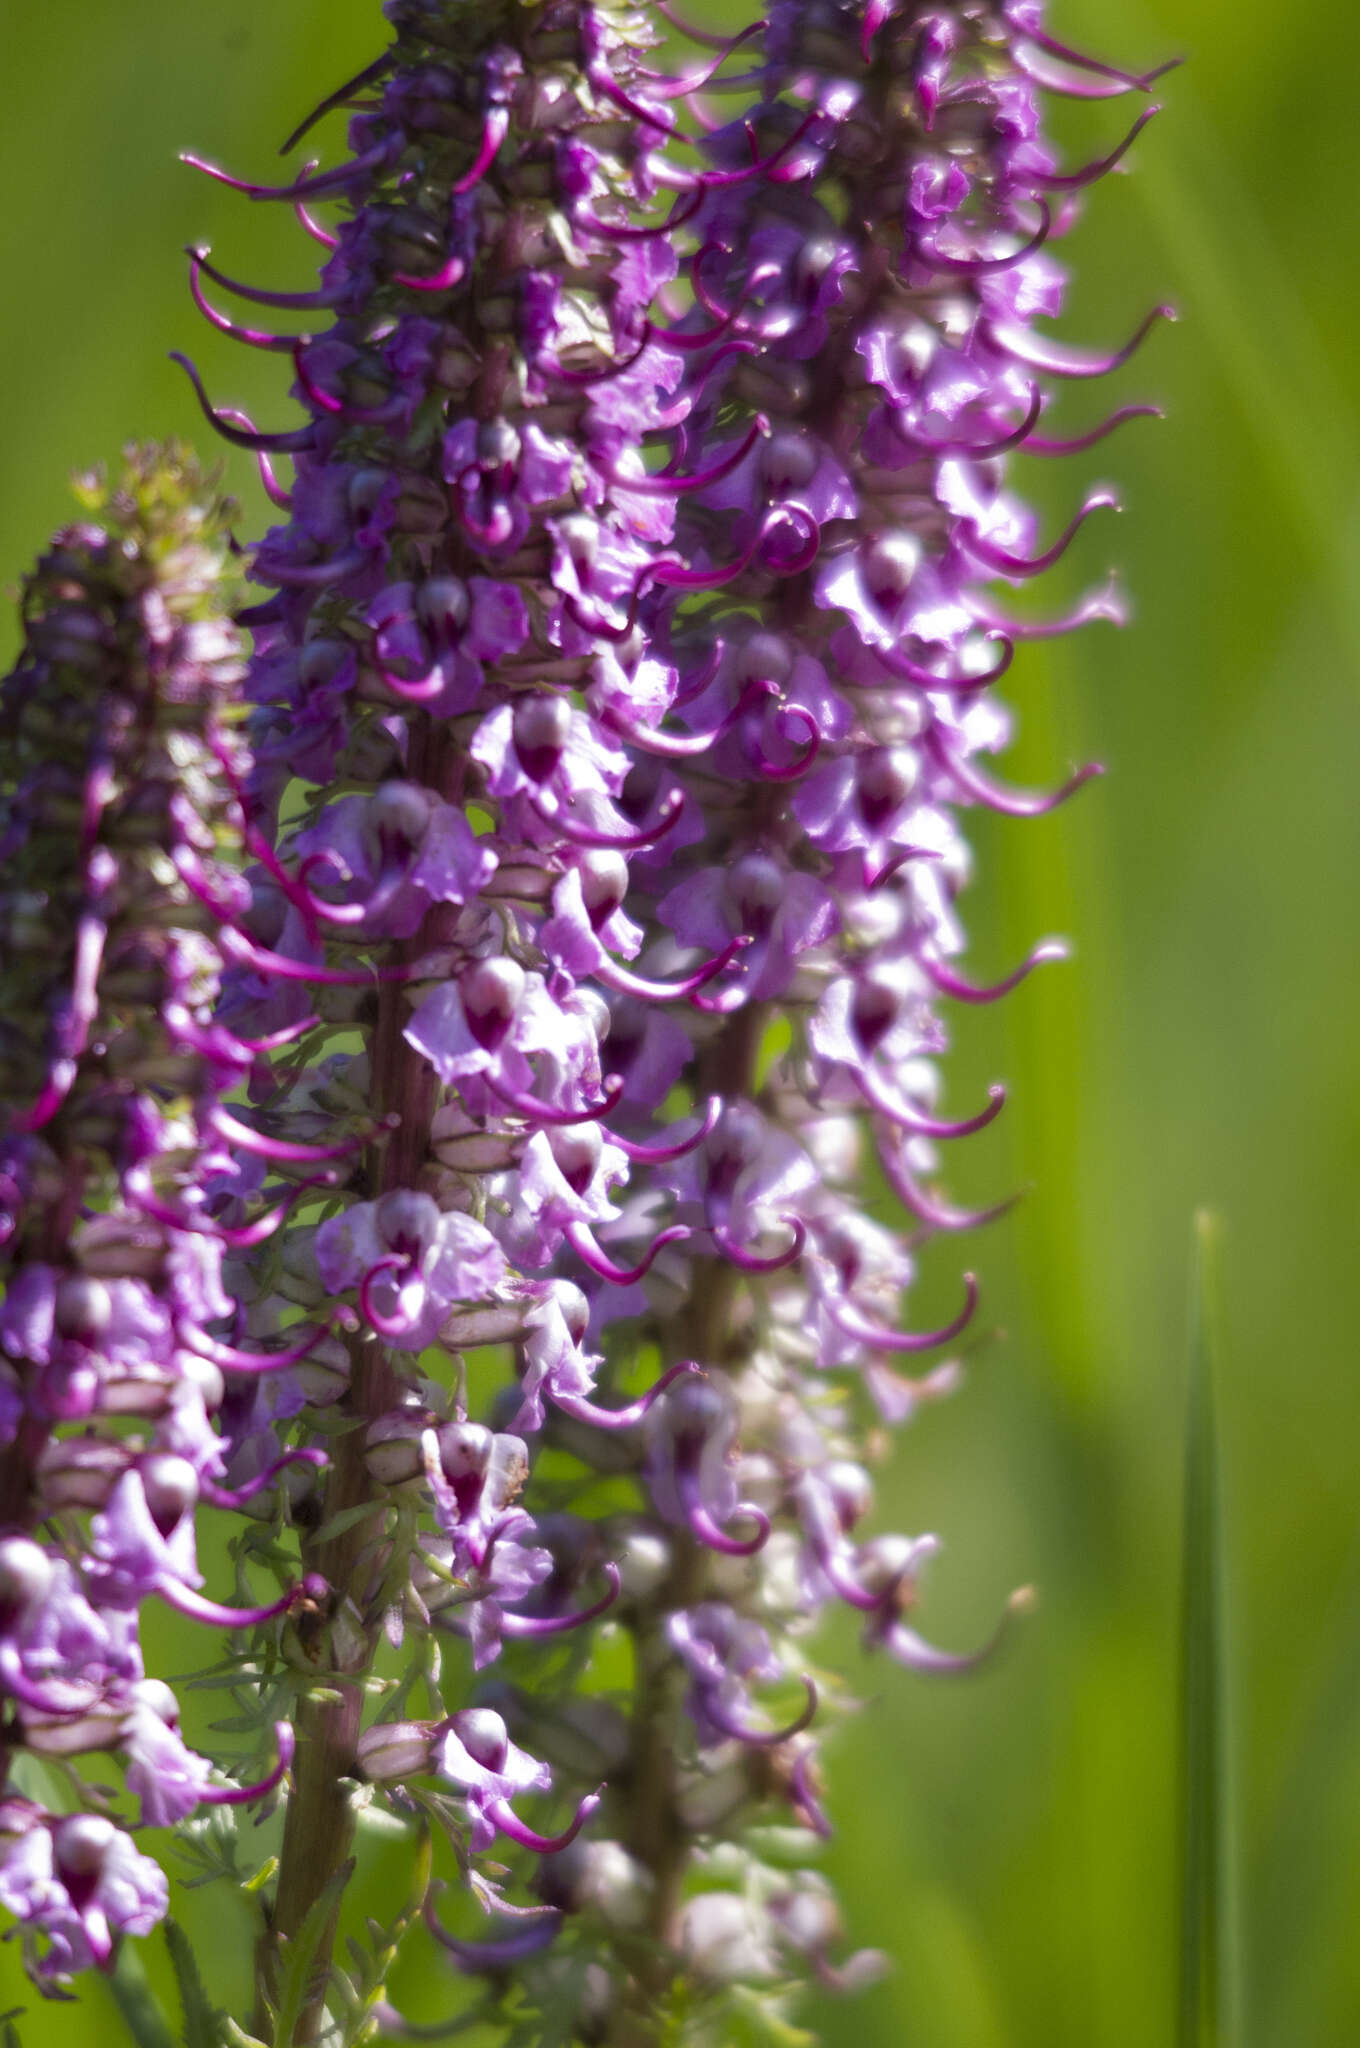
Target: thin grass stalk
1209,2009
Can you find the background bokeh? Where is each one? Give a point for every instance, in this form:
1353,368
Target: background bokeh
1010,1841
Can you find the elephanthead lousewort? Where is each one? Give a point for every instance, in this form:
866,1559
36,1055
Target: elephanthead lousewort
442,1099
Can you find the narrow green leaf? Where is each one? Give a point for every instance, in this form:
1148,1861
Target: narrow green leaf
1208,2014
12,2036
301,1956
765,2022
237,2037
260,1878
138,2003
201,2019
347,1518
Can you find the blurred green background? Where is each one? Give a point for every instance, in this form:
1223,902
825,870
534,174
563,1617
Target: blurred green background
1010,1841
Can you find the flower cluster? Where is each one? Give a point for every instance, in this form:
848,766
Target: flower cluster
119,758
625,659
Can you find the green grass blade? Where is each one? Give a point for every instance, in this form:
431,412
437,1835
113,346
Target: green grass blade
138,2003
1208,2013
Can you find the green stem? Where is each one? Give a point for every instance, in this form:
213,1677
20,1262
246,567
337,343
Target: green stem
657,1836
319,1827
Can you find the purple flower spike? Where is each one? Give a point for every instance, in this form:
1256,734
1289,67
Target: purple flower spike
121,769
628,666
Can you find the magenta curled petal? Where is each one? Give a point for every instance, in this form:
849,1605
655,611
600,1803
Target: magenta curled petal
680,88
368,76
909,1647
1042,444
1069,82
600,78
704,37
753,1262
1073,181
715,1538
315,906
847,1318
59,1083
475,1957
909,671
232,1358
715,180
760,1738
693,686
246,1795
876,12
290,443
585,378
252,336
449,273
1129,81
310,575
1007,564
977,451
314,228
339,408
415,690
662,483
526,1625
723,1003
325,182
17,1682
508,1821
1057,359
581,1409
647,1152
393,1327
615,975
247,954
1011,803
251,1140
928,1208
186,1601
588,836
239,1236
770,771
806,1799
288,302
691,745
678,575
551,1116
979,266
951,984
611,231
1103,604
237,1496
582,1240
844,1583
272,1041
494,131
